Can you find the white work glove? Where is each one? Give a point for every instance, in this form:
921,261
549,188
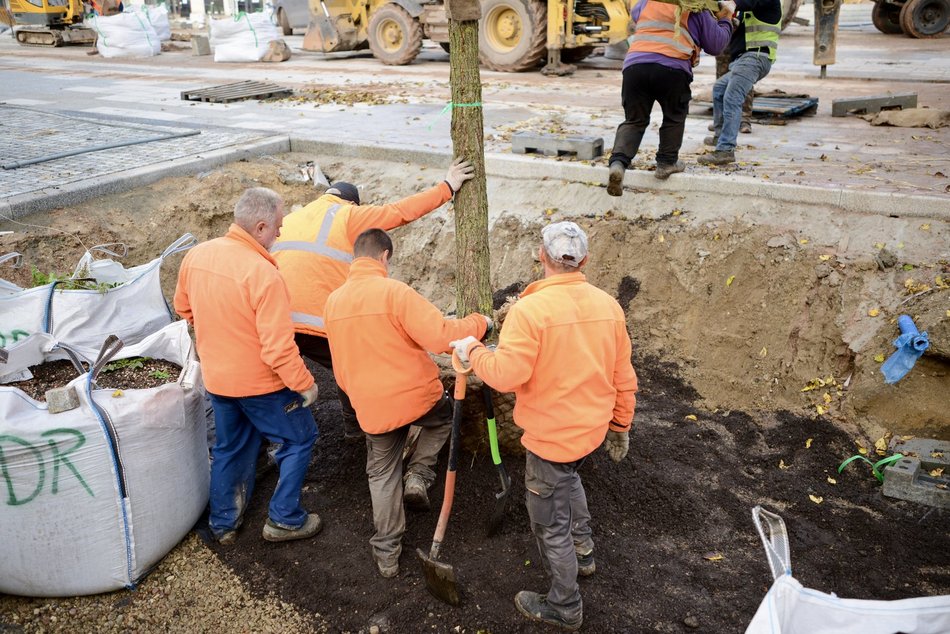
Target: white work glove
727,9
459,172
309,396
490,327
617,443
462,346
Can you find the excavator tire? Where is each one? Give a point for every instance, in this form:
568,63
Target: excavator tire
284,22
789,10
512,34
924,19
886,17
395,37
574,55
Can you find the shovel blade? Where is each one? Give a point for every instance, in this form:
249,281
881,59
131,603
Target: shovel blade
321,36
497,518
440,579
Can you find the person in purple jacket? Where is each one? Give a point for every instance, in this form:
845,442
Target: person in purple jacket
659,68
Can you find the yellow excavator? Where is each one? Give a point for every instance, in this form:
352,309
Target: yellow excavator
513,35
50,22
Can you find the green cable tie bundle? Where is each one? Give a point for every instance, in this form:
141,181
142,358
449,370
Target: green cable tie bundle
451,105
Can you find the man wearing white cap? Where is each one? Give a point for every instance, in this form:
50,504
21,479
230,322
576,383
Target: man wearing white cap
565,353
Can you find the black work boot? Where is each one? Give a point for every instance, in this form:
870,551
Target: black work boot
615,178
535,606
712,140
664,170
586,566
719,157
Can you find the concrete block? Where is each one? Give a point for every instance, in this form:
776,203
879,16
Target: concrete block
200,45
862,105
61,399
584,147
911,478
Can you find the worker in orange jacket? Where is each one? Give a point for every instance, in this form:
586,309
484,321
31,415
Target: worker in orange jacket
230,290
315,249
381,332
565,353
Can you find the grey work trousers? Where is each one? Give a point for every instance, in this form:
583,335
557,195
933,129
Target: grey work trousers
557,508
384,469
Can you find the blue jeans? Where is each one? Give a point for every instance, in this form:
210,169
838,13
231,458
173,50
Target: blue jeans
730,91
241,424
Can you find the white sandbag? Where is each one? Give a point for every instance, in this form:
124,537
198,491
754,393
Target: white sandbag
93,497
790,608
157,16
125,35
244,38
84,318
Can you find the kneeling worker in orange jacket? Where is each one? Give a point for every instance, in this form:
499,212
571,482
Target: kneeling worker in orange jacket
380,331
230,290
565,353
315,249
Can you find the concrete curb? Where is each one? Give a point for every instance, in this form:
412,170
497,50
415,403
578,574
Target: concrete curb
727,185
77,192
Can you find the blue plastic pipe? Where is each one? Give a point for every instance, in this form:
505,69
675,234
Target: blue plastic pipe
910,345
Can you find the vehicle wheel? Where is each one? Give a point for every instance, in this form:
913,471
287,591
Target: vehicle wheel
925,18
886,17
574,55
445,46
512,34
284,22
789,10
394,36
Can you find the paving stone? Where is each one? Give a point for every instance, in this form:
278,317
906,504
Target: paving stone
870,105
923,475
584,147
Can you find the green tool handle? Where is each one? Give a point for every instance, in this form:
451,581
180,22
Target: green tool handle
492,428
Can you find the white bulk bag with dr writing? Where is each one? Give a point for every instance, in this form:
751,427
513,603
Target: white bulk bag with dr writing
244,38
84,318
790,608
92,498
125,35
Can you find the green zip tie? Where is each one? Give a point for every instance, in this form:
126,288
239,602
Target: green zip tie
875,466
451,105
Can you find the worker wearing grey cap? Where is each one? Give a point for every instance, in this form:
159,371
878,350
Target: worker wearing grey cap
565,353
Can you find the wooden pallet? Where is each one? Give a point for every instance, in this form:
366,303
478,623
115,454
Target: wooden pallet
236,92
775,107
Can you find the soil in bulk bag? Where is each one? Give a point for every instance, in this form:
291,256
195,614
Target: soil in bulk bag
127,303
158,17
790,608
93,497
125,35
244,38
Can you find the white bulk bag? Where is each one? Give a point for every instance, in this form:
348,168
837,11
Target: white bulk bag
790,608
93,497
244,38
158,17
84,318
125,35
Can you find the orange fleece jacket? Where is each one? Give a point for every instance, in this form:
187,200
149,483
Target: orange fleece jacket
229,288
379,331
565,353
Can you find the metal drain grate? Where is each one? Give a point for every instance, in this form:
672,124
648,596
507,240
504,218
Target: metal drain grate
236,92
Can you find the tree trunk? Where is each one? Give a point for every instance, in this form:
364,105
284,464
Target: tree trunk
473,286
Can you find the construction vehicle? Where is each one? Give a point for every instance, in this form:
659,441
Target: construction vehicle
915,18
513,35
50,22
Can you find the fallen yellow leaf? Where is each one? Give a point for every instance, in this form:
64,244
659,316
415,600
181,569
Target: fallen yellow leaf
817,499
862,451
936,473
832,480
826,397
900,245
117,394
824,258
803,241
782,465
941,282
819,409
878,245
548,212
691,417
713,557
764,352
677,212
874,312
808,443
936,454
906,438
729,280
880,357
880,445
925,227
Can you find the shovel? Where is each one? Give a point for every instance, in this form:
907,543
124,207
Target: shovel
440,576
501,498
321,33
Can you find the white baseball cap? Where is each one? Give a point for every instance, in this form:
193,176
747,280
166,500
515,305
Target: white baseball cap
565,242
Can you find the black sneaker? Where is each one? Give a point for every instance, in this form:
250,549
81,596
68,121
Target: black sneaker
535,607
586,565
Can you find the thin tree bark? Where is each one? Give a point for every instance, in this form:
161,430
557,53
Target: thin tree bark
473,286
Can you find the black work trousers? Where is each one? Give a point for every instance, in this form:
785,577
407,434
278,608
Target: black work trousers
644,85
317,349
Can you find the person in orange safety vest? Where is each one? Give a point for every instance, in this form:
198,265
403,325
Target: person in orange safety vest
565,353
381,333
315,249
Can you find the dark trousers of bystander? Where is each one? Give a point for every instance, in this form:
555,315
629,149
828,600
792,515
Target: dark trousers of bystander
644,85
317,349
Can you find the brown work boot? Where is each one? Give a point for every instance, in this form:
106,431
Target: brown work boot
711,127
274,532
711,140
663,170
745,127
615,179
415,493
719,157
388,566
535,606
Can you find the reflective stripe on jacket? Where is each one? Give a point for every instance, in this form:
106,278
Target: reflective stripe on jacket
315,246
759,34
381,332
565,353
229,288
657,33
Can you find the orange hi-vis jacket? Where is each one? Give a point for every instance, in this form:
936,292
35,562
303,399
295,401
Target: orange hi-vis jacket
379,331
315,246
656,33
229,288
565,353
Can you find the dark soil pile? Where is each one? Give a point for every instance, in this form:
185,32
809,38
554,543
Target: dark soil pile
47,376
676,548
143,374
